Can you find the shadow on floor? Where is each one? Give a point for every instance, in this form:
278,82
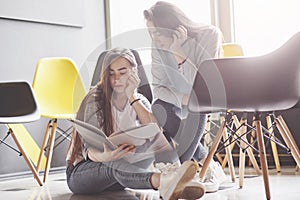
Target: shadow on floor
116,195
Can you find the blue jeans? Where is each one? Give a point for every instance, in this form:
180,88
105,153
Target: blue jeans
89,177
187,133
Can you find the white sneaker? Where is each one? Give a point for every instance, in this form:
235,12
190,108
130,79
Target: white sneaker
194,189
211,184
214,177
176,181
217,171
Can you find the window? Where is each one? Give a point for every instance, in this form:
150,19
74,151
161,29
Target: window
128,15
128,27
263,26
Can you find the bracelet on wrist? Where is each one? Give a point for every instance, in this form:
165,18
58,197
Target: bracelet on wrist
181,63
131,103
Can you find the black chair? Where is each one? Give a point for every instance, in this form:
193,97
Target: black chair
144,86
258,85
18,106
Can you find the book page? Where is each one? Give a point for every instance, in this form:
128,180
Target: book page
136,135
148,139
92,135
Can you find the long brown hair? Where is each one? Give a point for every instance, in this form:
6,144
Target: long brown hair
105,89
167,17
102,94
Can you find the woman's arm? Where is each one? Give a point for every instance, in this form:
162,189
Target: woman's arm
144,114
163,77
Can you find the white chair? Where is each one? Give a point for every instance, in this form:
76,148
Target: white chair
18,106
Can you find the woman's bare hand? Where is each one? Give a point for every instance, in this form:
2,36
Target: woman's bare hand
132,83
118,153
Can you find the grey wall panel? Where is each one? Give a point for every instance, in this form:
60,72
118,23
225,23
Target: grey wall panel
60,12
24,42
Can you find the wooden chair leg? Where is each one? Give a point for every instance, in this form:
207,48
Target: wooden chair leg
26,157
44,144
243,147
228,153
244,142
262,154
50,149
212,150
225,161
289,134
288,138
273,144
253,135
219,158
207,137
232,144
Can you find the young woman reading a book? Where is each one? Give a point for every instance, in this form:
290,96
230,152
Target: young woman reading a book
115,105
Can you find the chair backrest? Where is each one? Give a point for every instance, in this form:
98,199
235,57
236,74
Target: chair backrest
144,86
17,106
58,87
17,102
232,50
264,83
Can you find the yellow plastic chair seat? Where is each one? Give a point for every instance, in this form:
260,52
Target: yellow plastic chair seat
59,116
59,91
232,50
58,87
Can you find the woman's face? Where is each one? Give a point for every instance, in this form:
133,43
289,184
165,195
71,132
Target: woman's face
119,73
160,40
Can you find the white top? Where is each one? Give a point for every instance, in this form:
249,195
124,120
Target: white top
124,119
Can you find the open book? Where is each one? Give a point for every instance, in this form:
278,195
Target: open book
147,139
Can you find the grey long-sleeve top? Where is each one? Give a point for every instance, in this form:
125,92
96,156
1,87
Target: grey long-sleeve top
171,83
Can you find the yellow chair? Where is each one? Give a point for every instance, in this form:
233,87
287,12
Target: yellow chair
59,91
232,50
13,114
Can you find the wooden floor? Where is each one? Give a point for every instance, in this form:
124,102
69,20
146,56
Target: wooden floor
284,185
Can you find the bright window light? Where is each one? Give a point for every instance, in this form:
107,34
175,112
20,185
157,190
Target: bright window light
128,15
263,26
128,26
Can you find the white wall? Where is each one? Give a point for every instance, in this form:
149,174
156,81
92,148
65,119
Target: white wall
24,42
